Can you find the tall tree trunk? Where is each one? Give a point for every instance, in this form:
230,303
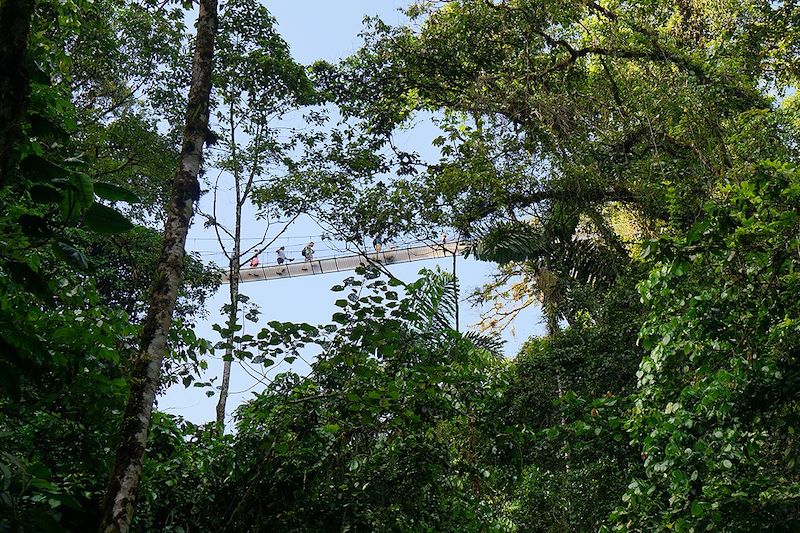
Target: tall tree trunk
120,498
233,310
15,23
233,275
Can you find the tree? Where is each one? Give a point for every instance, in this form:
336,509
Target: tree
549,107
120,500
62,384
257,83
633,166
542,104
381,424
717,402
558,255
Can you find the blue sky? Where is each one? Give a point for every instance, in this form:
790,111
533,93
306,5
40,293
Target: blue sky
316,29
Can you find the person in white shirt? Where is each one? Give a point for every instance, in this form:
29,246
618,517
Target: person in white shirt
282,255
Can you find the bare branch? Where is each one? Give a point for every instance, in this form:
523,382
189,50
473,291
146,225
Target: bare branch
272,241
216,224
254,166
259,243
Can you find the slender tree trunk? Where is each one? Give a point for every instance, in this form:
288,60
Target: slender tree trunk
15,23
226,369
120,498
233,311
233,275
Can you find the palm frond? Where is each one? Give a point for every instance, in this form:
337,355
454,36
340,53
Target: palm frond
511,242
434,297
581,258
491,342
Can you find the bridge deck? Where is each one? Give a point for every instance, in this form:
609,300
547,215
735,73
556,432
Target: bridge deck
347,262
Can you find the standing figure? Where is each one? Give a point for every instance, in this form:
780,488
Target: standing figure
308,251
282,255
254,261
377,242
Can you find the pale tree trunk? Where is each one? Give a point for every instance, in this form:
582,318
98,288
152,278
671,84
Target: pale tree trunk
228,359
244,182
15,23
233,312
233,277
120,498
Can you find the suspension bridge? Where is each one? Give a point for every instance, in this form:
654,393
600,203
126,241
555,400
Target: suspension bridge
341,263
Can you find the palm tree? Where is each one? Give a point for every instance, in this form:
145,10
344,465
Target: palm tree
561,255
434,299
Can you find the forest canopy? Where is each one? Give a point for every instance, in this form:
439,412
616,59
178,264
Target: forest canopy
631,168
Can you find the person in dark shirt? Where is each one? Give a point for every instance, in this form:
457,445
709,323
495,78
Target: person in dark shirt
308,251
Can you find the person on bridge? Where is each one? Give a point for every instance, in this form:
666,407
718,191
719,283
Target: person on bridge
282,255
377,242
308,251
254,261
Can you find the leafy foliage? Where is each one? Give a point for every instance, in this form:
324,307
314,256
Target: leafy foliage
717,410
378,426
633,167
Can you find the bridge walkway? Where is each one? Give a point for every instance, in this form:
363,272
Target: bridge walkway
344,263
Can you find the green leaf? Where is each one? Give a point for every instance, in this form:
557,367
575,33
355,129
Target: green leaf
104,219
23,274
37,168
698,509
9,376
34,226
42,125
44,194
69,206
71,255
84,189
114,193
